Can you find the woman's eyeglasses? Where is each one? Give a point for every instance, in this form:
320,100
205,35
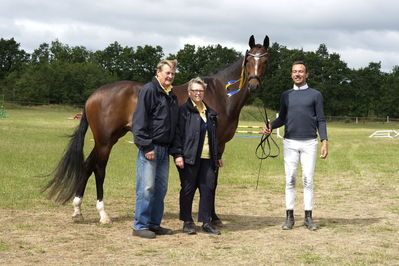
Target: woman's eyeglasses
197,91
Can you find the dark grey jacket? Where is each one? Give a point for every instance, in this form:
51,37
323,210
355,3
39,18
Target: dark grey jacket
155,118
187,139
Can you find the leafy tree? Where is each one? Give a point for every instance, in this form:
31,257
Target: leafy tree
13,61
34,84
215,58
73,83
187,65
329,74
202,61
117,60
388,104
108,58
41,55
61,74
144,62
366,85
66,54
12,58
60,52
60,83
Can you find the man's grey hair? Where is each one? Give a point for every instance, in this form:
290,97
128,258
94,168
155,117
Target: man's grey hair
171,63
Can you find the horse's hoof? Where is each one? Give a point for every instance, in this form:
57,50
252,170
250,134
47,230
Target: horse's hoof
106,220
77,217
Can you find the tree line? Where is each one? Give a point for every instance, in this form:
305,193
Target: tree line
56,73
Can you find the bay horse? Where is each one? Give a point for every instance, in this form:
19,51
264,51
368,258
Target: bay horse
109,111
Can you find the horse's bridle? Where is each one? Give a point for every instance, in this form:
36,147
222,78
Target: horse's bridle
256,57
243,72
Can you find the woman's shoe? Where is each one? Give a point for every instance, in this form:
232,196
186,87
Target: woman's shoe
189,228
207,228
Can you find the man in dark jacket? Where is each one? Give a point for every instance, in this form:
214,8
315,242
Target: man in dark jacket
154,124
197,157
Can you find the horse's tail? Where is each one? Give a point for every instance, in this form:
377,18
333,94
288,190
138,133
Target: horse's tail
70,171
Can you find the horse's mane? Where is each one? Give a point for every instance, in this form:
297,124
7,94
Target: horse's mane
226,69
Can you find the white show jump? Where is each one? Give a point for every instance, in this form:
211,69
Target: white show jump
384,134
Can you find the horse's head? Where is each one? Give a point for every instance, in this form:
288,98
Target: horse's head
255,62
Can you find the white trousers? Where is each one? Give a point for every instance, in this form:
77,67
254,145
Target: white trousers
305,151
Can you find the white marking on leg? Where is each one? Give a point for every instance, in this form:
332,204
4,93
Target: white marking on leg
104,218
77,211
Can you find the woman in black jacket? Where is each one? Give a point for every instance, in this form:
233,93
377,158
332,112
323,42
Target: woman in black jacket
197,157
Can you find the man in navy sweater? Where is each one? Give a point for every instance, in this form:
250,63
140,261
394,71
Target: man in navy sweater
301,112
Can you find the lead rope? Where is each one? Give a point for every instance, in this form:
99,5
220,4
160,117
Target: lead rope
263,154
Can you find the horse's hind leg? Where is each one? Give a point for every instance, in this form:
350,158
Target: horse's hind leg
77,201
99,171
100,176
77,210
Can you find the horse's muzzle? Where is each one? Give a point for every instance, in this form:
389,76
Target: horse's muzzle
254,82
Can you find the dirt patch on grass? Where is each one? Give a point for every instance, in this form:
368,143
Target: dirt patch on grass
355,228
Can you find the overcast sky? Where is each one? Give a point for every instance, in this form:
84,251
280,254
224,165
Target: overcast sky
361,31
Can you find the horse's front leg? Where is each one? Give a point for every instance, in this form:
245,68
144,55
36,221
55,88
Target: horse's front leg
104,218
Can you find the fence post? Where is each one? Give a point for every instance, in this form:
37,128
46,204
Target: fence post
387,118
357,120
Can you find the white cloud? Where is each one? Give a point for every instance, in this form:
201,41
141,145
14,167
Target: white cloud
361,31
360,58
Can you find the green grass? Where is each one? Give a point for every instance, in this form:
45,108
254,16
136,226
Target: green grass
33,140
310,258
254,113
358,183
3,246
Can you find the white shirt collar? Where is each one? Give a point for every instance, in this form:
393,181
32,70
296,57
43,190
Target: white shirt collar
304,87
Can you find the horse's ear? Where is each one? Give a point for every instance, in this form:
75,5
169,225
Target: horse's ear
266,42
251,41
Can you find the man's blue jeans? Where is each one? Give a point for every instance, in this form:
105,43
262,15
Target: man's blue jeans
151,186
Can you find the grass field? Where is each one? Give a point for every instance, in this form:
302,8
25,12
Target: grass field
356,203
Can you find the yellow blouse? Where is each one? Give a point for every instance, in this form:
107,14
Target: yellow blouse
205,148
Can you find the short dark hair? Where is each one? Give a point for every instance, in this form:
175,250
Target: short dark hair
300,62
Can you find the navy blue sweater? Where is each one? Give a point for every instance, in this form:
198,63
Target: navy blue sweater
301,112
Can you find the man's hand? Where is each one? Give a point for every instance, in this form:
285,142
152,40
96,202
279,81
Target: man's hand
150,155
179,162
324,149
267,129
220,163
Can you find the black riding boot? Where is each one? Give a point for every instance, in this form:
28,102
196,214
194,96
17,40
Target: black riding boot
289,220
309,221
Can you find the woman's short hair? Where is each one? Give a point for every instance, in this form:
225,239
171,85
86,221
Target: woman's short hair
196,80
